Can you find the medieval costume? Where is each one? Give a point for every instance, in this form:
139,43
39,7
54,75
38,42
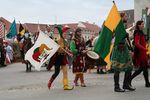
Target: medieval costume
77,46
121,61
140,58
60,61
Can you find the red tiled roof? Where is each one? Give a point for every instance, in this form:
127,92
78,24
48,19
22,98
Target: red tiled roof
92,27
33,28
88,27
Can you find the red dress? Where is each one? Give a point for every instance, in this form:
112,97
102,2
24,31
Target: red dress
78,62
140,58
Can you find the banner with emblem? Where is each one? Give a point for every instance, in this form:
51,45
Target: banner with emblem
43,49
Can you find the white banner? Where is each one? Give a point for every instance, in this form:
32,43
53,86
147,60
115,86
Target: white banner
43,49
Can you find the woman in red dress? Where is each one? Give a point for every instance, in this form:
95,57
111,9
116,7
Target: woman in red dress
140,58
77,46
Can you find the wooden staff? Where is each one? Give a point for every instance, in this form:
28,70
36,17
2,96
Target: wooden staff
67,51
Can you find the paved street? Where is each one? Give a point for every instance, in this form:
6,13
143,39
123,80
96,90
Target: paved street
16,84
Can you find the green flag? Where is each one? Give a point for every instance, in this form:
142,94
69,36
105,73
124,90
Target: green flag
12,30
113,24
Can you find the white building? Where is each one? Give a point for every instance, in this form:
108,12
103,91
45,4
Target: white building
138,6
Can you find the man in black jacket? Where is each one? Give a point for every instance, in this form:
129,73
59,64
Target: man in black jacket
2,54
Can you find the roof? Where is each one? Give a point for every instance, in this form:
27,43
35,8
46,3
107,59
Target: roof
92,27
88,26
33,28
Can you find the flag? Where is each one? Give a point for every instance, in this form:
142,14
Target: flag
2,30
112,24
12,30
59,28
21,30
43,49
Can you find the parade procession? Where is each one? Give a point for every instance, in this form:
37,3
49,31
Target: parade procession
77,60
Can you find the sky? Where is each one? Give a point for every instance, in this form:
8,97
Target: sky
60,11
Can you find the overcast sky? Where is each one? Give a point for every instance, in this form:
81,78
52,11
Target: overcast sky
60,11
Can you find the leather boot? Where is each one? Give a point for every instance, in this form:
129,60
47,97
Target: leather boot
30,67
147,85
118,89
27,68
82,80
127,82
76,80
128,87
116,80
116,83
145,73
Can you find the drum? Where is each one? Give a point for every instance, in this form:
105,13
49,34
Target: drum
90,59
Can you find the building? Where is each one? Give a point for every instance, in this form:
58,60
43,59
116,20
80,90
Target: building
138,6
89,29
6,24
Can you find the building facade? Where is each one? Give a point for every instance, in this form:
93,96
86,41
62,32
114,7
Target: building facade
138,6
89,29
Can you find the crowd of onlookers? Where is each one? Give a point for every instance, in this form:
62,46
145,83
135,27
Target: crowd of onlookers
6,53
9,52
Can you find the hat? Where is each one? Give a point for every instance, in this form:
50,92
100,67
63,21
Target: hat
78,30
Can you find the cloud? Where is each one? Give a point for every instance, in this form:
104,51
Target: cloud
60,11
